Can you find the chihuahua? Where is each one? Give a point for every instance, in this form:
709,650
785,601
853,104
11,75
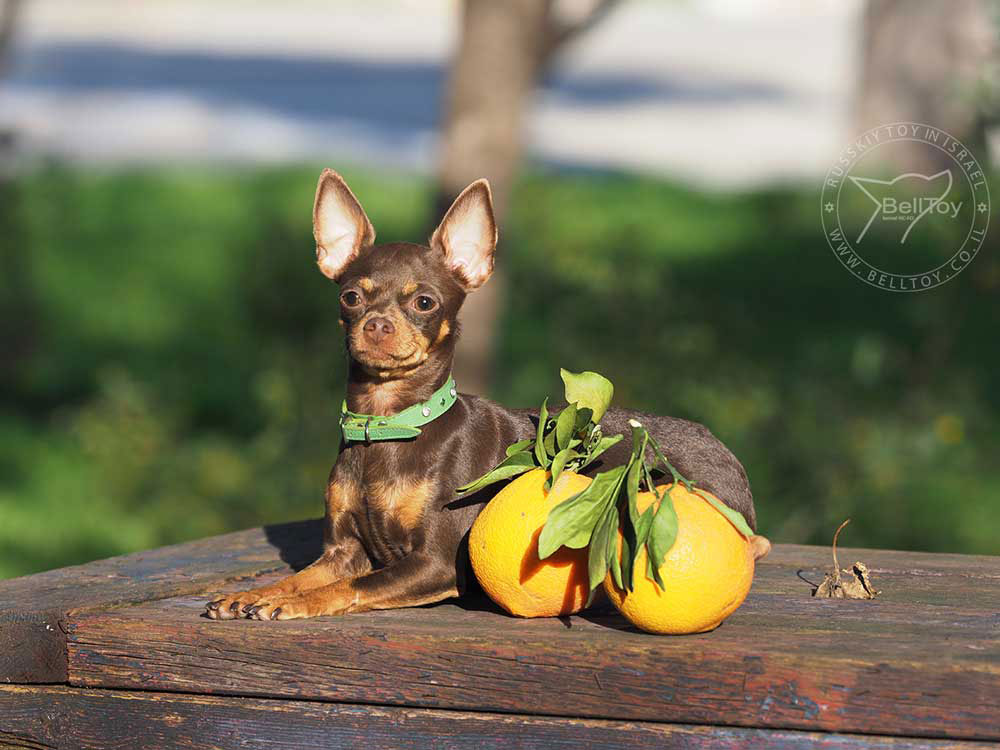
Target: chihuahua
395,532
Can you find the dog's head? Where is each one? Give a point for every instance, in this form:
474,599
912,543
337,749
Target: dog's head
399,302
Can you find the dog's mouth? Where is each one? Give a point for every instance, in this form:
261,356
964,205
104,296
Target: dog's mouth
380,361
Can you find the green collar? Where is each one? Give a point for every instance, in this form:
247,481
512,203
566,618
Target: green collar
363,428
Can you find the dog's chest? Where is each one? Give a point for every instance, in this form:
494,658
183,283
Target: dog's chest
399,500
395,507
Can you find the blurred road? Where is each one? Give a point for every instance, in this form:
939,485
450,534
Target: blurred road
711,92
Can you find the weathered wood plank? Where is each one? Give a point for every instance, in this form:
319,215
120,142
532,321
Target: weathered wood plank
32,644
905,664
59,717
893,561
32,649
911,577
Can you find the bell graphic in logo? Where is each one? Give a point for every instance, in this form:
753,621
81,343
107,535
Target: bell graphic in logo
900,200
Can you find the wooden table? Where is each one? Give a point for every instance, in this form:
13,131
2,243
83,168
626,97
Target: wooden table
116,654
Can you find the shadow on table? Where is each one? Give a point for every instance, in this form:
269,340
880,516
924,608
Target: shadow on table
299,543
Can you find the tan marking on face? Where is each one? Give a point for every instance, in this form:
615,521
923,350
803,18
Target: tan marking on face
409,287
367,284
405,499
443,332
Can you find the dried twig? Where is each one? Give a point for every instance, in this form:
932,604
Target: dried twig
859,586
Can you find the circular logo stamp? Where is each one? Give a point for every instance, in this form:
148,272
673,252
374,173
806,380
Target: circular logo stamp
915,226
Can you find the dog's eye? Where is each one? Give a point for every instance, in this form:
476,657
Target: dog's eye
424,303
350,299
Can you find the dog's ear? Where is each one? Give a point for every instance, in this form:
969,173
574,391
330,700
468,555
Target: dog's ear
340,226
467,235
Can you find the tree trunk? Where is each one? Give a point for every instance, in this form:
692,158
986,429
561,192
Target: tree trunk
503,49
9,10
18,318
493,74
926,61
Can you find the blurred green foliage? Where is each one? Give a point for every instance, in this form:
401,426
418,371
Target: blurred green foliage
173,367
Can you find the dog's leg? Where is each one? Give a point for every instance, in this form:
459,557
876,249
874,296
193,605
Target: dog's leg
344,561
419,578
343,558
327,569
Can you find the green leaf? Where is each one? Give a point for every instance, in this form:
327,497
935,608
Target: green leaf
643,526
566,426
543,417
584,417
638,542
550,443
588,389
611,553
635,470
627,557
652,571
513,465
647,478
519,446
559,463
632,490
735,517
662,534
597,558
602,445
571,523
676,476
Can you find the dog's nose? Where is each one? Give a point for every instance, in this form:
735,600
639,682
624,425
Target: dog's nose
377,329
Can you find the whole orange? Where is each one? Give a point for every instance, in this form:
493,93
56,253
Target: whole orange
706,573
503,548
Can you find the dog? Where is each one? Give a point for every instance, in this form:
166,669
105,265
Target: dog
395,532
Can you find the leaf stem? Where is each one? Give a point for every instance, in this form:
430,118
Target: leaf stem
836,564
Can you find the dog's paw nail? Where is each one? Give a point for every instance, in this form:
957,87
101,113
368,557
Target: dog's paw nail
247,608
275,613
214,605
234,606
252,611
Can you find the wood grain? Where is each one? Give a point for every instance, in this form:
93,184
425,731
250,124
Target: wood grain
32,643
60,717
922,660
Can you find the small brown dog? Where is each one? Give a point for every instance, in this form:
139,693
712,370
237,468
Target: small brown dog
396,533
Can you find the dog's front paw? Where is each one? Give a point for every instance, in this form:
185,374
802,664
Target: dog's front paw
287,607
231,606
328,600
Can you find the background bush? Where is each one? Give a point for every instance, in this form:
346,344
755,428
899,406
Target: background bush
172,365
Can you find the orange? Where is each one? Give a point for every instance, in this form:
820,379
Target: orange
503,548
707,572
